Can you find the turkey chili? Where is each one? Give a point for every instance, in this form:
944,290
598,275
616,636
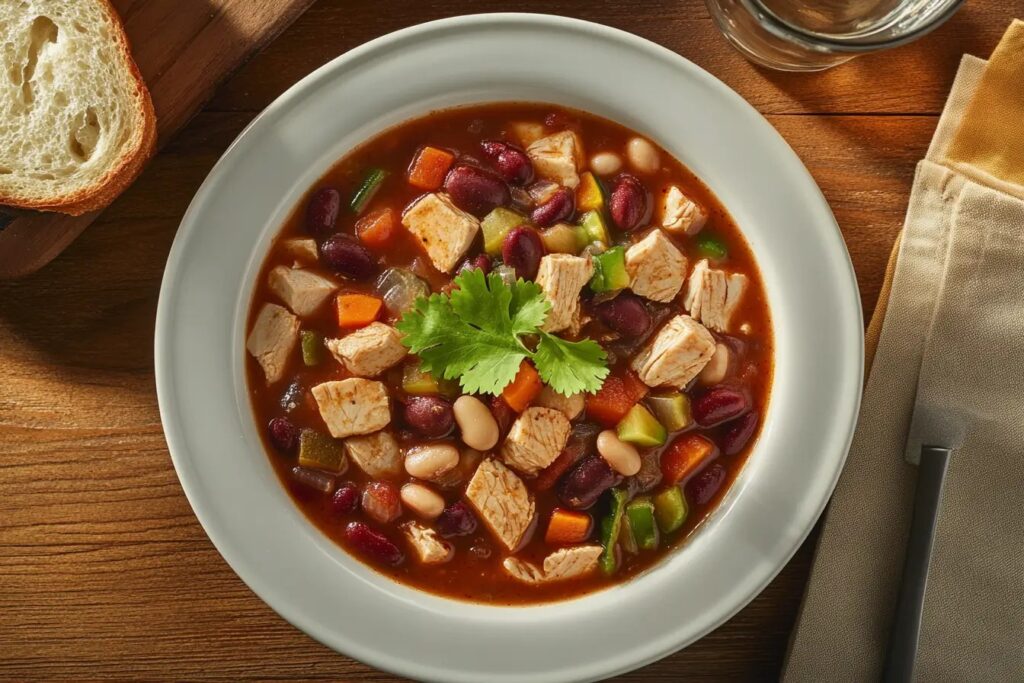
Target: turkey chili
509,353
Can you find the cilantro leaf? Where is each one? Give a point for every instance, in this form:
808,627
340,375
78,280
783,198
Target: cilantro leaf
474,333
570,367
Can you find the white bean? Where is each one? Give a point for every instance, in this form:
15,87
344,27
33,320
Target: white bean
422,500
431,461
620,456
477,424
716,369
605,163
642,155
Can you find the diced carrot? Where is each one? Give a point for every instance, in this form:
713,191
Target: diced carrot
568,527
377,228
684,456
429,168
588,193
617,395
523,389
357,310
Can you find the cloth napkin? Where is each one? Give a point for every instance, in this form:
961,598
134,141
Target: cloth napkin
950,323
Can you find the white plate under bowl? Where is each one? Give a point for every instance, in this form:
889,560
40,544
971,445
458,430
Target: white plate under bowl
512,57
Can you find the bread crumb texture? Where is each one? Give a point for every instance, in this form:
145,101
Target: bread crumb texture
76,120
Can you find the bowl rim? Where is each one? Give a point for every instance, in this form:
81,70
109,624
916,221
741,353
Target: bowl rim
384,658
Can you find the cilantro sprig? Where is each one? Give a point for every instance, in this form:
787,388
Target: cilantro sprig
475,335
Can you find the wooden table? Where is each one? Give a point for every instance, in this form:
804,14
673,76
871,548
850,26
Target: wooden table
104,570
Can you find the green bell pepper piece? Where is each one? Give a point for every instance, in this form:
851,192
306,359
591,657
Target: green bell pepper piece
712,248
670,509
640,513
610,527
311,345
322,452
641,428
594,227
610,272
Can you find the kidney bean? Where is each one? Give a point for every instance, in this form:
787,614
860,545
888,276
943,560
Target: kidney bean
523,250
628,202
322,211
456,520
284,435
373,544
475,190
345,500
719,404
738,433
510,162
503,414
581,486
481,262
626,314
558,207
342,254
429,415
381,501
705,484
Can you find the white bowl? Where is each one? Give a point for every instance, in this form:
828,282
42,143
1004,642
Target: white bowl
346,605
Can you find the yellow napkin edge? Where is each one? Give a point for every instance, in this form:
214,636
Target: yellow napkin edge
988,146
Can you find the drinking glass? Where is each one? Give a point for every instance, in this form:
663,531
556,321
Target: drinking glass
811,35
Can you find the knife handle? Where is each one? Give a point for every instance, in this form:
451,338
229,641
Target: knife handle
906,628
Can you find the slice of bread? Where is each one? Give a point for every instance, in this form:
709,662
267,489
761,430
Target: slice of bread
76,121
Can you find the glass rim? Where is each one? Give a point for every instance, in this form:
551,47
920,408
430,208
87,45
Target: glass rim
787,31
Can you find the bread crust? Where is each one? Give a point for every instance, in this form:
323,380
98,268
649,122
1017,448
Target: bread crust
117,179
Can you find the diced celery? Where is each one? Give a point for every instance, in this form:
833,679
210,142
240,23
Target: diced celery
496,225
641,428
672,410
640,513
712,248
589,195
364,195
311,345
610,527
610,272
560,239
321,452
670,509
594,226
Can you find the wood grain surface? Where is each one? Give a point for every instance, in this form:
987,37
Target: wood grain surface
105,572
183,50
